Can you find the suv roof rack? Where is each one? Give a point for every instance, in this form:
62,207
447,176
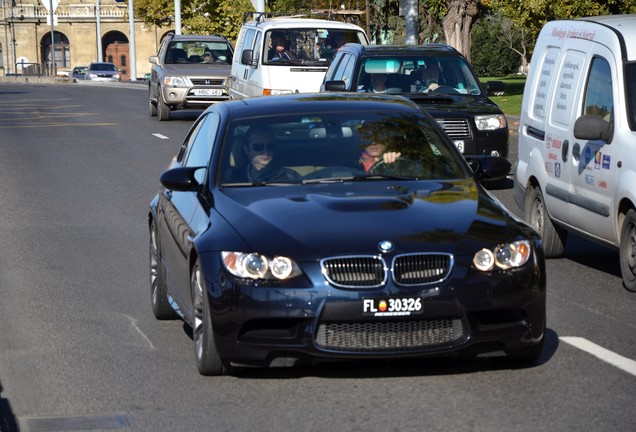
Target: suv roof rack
262,16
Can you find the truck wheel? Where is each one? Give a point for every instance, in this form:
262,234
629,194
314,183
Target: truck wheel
536,214
628,251
164,110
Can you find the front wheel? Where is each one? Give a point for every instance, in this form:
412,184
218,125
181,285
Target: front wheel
163,109
158,292
152,109
628,251
207,357
536,214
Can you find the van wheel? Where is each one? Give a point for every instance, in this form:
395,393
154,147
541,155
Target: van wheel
164,110
628,251
536,214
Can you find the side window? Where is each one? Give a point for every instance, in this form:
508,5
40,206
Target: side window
540,98
199,146
249,40
598,90
565,91
257,46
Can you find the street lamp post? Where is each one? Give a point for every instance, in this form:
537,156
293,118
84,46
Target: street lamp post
53,65
15,60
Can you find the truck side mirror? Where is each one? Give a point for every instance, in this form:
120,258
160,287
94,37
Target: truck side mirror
495,88
246,57
593,127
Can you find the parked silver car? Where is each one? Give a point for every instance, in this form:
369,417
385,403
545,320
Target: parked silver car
102,71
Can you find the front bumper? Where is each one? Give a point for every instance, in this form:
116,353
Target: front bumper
313,321
182,97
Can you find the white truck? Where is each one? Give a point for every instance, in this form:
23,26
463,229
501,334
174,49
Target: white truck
309,44
576,167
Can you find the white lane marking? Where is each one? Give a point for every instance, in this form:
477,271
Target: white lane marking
158,135
133,323
606,355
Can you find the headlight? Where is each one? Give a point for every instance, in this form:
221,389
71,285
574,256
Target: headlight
504,256
490,122
257,266
175,81
116,76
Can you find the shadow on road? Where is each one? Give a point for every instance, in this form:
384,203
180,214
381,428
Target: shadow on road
8,422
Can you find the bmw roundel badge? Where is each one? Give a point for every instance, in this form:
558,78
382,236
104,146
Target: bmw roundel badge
385,246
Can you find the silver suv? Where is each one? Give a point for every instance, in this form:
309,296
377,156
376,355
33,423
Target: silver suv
188,72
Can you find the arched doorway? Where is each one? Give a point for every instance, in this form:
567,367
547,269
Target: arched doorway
62,49
116,51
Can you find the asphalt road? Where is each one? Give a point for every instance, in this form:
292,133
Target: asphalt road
81,350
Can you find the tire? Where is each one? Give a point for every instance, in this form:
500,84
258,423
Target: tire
207,357
628,251
536,214
152,109
163,109
158,292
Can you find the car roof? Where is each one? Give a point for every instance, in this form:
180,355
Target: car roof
307,103
401,50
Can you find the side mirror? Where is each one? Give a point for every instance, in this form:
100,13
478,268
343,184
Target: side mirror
489,167
180,179
246,57
153,59
335,86
495,88
593,127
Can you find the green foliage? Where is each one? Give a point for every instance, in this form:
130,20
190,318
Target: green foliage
197,16
490,54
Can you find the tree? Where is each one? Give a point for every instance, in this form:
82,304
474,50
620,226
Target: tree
459,20
197,16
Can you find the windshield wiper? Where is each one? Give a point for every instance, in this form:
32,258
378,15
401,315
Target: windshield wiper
259,183
359,178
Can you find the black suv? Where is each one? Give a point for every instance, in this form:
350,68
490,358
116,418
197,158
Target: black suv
435,76
189,72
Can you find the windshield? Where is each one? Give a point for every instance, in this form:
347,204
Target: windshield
421,74
307,46
199,52
358,146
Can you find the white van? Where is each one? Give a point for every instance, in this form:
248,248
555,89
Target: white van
576,168
260,68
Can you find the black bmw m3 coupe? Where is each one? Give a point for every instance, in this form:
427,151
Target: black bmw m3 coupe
319,227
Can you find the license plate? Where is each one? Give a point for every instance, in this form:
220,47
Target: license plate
208,92
392,306
460,145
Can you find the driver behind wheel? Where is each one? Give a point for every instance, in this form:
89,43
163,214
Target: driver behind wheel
430,77
374,154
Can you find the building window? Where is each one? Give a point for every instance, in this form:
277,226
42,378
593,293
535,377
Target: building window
123,60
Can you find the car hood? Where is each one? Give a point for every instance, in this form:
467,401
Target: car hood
321,220
443,104
202,70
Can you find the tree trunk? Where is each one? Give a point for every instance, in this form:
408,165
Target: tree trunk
458,23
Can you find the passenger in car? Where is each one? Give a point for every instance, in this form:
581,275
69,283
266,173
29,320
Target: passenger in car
260,148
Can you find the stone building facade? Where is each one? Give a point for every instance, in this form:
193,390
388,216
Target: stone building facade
25,38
